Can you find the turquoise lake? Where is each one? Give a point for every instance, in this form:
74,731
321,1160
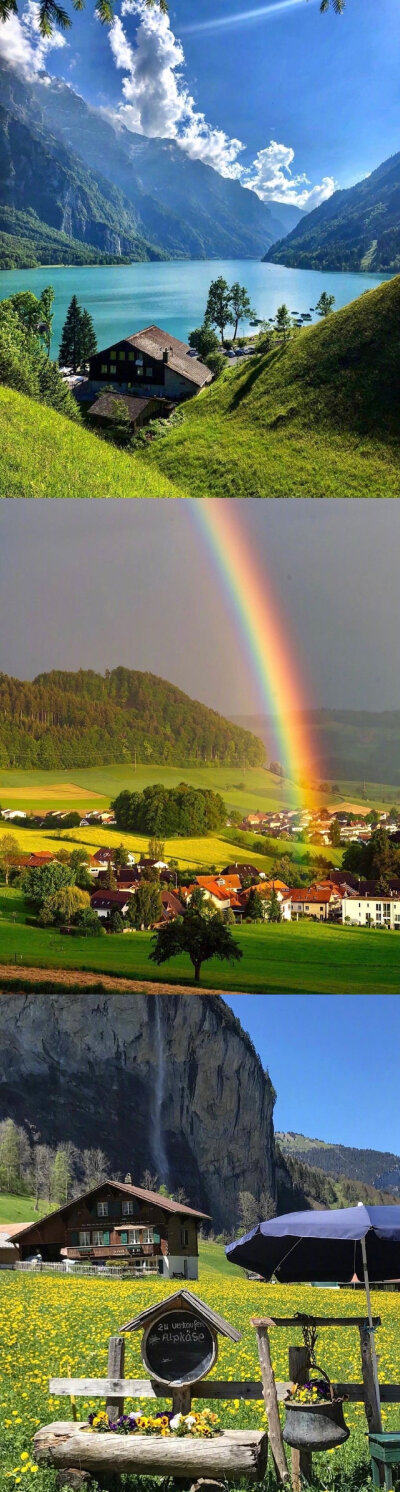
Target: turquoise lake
123,298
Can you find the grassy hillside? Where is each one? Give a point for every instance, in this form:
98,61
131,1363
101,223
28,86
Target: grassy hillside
15,1209
371,1167
277,958
45,455
26,242
317,418
245,790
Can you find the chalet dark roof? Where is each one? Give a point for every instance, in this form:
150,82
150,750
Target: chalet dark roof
104,408
155,1199
184,1297
108,898
154,341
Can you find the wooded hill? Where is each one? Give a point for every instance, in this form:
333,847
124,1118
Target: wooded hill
86,719
300,1185
372,1168
357,229
120,192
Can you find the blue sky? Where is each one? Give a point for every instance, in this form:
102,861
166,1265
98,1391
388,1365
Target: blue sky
323,87
334,1061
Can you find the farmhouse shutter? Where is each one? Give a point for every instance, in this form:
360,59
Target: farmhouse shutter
106,1238
124,1237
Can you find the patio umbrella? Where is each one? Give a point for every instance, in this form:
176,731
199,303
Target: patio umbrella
329,1246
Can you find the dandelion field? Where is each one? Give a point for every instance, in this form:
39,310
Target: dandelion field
53,1326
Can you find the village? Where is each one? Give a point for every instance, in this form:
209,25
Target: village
239,892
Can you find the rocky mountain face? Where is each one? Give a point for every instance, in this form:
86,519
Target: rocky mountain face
357,229
181,207
168,1082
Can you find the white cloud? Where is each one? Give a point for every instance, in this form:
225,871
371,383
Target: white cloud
21,44
271,177
157,102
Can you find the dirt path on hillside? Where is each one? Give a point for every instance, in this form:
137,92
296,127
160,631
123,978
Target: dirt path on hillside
73,978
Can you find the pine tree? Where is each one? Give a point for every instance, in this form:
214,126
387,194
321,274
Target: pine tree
88,337
78,340
60,1176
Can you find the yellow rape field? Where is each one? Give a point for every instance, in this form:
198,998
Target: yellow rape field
53,1326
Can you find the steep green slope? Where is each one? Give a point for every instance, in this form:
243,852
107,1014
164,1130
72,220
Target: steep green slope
26,242
302,1185
41,175
355,229
84,719
42,454
318,417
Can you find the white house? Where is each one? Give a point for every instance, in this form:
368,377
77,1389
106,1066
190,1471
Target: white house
372,911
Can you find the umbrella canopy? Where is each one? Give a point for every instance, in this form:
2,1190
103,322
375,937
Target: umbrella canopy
325,1246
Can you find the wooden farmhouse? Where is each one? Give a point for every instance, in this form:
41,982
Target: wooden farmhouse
123,1223
149,363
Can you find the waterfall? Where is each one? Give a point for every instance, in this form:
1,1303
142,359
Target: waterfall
159,1150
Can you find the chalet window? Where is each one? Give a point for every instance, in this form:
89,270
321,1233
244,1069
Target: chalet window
184,1237
102,1209
113,352
121,354
131,357
149,372
104,368
128,1209
84,1239
139,370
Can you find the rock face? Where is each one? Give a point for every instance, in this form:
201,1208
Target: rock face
168,1082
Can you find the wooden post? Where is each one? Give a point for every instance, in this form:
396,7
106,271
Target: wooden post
115,1369
271,1400
299,1367
372,1409
181,1400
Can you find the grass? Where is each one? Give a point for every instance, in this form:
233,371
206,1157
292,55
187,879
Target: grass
20,1209
287,958
243,790
45,455
60,1326
317,418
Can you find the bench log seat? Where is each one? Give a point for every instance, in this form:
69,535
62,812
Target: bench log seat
233,1453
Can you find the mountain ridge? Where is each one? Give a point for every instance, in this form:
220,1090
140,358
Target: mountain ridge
354,745
178,207
357,228
377,1168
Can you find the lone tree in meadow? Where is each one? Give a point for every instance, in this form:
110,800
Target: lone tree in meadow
200,936
283,322
78,338
240,305
325,304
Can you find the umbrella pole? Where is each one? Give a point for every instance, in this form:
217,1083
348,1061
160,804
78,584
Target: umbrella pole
371,1330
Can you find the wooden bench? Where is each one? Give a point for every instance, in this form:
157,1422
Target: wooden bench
384,1450
233,1453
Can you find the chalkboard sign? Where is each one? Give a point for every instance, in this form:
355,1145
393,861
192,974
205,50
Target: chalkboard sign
179,1347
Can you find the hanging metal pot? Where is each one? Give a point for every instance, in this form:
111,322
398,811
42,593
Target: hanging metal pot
315,1427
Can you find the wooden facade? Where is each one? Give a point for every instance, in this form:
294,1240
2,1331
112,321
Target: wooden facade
120,1223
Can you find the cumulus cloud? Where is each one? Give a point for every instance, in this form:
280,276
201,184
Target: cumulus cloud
156,101
271,177
21,44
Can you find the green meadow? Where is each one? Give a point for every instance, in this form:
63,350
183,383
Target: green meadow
287,958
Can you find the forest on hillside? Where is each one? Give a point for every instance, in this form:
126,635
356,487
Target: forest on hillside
85,719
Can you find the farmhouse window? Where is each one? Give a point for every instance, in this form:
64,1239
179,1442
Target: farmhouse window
184,1237
149,372
121,354
127,1209
84,1239
104,368
131,357
139,370
99,1237
102,1209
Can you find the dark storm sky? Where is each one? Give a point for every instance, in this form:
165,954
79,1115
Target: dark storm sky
93,584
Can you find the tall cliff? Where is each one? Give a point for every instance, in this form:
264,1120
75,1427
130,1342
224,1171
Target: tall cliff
169,1082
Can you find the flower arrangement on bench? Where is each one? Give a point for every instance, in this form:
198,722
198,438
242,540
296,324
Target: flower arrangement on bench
204,1424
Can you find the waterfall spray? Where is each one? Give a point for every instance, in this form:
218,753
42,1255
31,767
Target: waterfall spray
159,1150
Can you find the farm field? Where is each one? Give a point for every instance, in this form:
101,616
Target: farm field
247,790
286,957
57,1326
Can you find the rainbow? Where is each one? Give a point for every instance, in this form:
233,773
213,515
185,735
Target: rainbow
263,630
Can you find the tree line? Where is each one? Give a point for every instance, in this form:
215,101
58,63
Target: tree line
55,1174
